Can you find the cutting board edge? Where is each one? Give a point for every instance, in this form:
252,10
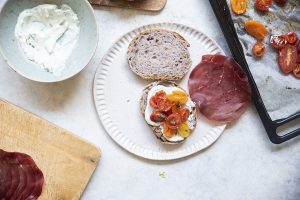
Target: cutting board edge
99,153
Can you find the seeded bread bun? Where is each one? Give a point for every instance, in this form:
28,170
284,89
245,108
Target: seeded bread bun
157,130
159,54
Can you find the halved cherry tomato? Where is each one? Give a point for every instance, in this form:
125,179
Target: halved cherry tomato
256,29
173,121
263,5
160,102
164,105
158,95
281,1
178,97
296,71
278,41
292,37
184,130
153,102
259,49
168,132
157,117
238,6
184,114
288,58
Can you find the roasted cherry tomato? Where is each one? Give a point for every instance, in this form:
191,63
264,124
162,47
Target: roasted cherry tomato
158,95
263,5
184,130
238,6
259,49
173,121
292,37
168,132
296,71
288,58
157,117
256,29
153,102
178,97
164,105
281,1
160,102
184,114
278,41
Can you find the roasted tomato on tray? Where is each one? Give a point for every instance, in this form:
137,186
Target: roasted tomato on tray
259,49
238,6
256,29
288,58
289,52
263,5
278,41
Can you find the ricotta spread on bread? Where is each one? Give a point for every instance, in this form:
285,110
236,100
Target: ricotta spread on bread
47,35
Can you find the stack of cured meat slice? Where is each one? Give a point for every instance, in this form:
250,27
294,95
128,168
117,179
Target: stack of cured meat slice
20,178
220,88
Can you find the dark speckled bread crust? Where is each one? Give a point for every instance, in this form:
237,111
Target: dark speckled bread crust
157,130
159,54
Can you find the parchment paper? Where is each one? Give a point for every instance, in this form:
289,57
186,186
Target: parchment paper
280,92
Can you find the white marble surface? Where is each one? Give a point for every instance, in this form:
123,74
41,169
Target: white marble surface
243,164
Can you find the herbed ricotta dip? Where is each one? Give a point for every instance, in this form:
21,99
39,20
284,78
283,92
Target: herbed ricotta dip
47,35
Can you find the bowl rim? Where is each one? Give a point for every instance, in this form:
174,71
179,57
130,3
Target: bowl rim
65,77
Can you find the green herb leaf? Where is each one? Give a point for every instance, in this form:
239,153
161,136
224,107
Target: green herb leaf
162,174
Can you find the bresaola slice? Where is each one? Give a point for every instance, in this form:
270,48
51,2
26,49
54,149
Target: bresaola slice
20,178
220,88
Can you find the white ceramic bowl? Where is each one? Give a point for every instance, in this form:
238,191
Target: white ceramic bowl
14,56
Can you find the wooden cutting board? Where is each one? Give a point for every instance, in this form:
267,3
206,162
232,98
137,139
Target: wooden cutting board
66,161
152,5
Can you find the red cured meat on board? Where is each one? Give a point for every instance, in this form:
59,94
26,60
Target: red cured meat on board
20,178
220,88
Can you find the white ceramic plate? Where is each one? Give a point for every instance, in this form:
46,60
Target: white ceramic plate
117,91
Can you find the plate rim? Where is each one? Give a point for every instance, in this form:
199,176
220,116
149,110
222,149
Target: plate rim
108,124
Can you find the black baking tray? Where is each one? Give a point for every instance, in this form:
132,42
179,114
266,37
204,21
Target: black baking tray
223,15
